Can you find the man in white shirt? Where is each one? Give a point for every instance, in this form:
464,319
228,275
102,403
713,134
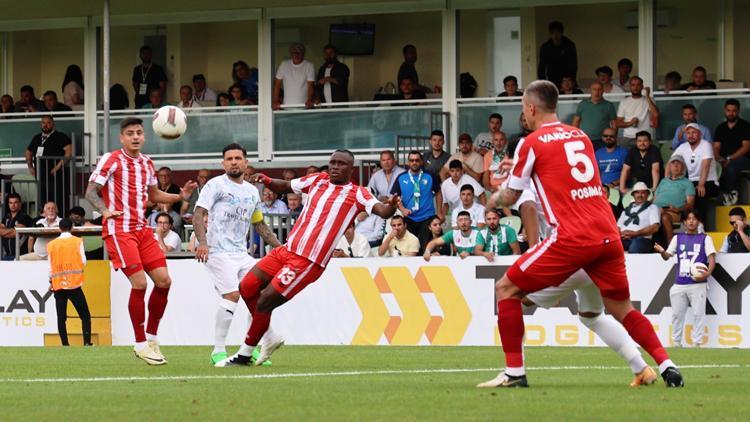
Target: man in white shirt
352,245
186,98
297,77
483,141
202,94
451,187
468,204
699,159
604,76
169,241
50,219
271,204
371,227
381,182
639,221
637,112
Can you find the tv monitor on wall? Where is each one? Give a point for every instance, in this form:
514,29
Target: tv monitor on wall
353,39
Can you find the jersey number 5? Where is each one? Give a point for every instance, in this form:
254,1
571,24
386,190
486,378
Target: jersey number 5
575,156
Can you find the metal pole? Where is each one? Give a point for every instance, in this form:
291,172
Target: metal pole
4,60
105,73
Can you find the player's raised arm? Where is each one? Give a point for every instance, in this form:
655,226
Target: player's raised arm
277,185
157,196
386,209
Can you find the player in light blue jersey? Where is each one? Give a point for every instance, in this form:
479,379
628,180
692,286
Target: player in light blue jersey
232,206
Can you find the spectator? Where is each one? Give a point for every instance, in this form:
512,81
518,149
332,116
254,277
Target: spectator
473,163
201,93
372,227
249,172
51,103
568,86
672,82
193,242
525,129
494,173
72,86
186,98
638,112
611,158
639,221
496,239
452,186
28,102
168,240
675,195
688,288
66,261
468,204
407,69
594,115
312,170
155,99
247,78
270,204
510,84
463,239
77,215
14,218
147,77
118,98
297,76
381,182
624,67
352,245
333,78
557,56
642,164
39,243
738,240
434,231
689,115
289,175
187,208
51,174
238,96
483,140
223,100
732,149
294,203
419,192
409,91
164,176
616,209
698,155
604,76
400,241
699,81
6,104
435,158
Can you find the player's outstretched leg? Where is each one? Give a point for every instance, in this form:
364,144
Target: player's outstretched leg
511,327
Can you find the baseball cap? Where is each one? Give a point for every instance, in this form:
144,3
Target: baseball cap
640,186
677,158
694,126
464,137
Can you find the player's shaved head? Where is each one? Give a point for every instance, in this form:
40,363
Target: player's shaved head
542,94
340,166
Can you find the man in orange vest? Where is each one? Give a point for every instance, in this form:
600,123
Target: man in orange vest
67,260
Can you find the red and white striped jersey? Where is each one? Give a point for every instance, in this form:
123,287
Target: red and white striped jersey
328,211
126,180
560,160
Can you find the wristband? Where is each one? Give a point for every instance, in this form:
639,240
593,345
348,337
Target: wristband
264,179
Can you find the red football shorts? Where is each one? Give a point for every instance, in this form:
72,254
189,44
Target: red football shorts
291,272
549,264
135,251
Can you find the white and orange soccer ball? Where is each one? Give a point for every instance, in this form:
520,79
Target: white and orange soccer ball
169,122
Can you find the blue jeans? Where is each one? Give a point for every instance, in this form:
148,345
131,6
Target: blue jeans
638,245
730,176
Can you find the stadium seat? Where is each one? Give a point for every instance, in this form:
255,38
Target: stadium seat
512,221
22,184
91,243
614,197
665,148
627,199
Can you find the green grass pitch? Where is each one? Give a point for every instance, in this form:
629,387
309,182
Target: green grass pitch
363,383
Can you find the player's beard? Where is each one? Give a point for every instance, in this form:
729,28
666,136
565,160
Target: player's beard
238,174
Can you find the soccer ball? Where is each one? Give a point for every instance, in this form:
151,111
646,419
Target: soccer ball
698,269
169,122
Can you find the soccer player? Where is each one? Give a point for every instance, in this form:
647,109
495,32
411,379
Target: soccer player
332,204
122,183
231,204
583,236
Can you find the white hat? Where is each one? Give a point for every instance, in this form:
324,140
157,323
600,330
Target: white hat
640,186
694,126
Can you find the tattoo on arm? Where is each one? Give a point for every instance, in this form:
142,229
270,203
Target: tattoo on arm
266,234
94,197
198,225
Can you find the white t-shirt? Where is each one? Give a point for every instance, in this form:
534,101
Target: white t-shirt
694,157
360,247
476,211
295,77
40,244
171,239
635,107
484,140
648,217
230,208
451,191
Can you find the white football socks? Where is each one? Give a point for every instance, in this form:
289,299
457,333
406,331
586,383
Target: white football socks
224,315
615,336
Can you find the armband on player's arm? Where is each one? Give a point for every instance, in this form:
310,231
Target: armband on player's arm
257,217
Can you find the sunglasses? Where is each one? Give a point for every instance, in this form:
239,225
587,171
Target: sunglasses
608,136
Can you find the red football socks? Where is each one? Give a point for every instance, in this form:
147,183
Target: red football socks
137,310
157,302
250,291
259,326
641,330
510,325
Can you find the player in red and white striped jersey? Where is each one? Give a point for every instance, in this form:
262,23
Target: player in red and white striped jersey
333,202
119,188
559,159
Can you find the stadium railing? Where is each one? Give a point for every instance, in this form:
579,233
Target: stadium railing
53,232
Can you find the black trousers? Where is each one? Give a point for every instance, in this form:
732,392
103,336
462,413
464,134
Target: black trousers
79,302
702,204
417,227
